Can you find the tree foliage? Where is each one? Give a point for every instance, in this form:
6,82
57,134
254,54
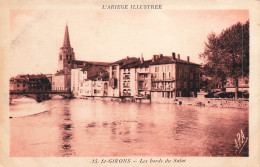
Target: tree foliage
227,55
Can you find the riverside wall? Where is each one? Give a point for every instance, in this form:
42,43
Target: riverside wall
192,101
214,102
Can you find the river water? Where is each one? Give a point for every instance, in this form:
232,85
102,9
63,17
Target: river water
80,127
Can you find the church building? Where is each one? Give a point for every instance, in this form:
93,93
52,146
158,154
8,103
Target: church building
61,80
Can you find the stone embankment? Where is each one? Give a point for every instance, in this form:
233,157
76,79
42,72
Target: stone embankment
214,102
193,101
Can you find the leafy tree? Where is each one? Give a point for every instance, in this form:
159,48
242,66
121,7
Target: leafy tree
227,55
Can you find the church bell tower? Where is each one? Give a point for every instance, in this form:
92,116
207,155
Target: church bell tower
66,55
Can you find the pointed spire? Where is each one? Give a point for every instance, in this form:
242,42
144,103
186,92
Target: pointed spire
66,42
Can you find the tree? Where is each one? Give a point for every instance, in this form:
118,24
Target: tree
227,55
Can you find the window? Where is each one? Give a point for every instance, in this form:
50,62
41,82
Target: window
171,96
105,86
168,94
156,69
18,85
185,84
68,62
126,85
127,77
191,85
246,81
155,75
70,57
67,57
60,57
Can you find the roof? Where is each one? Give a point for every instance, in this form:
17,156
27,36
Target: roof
104,78
27,77
158,61
170,60
66,42
96,72
125,61
137,64
92,62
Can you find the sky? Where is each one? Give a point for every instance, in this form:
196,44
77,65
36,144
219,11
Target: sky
109,35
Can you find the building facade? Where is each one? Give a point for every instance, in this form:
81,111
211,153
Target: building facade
163,78
120,79
92,80
27,83
173,77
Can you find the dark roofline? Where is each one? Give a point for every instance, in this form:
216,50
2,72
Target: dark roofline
124,60
159,61
137,64
94,62
172,61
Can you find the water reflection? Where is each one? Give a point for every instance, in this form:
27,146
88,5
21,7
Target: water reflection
66,132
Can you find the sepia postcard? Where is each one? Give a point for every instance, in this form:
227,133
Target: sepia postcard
129,83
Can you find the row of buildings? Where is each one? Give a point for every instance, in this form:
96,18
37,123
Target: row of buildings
30,83
160,78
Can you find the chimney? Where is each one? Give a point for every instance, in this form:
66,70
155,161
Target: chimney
188,58
127,58
179,57
173,56
142,59
161,56
154,58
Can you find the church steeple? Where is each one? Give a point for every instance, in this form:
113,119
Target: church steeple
66,55
66,42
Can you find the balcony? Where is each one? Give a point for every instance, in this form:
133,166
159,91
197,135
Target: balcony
142,79
163,79
143,88
161,89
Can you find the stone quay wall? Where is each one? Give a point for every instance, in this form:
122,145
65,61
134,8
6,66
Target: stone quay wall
214,102
192,101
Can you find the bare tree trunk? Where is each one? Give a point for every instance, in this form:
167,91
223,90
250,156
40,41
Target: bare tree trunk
223,87
236,89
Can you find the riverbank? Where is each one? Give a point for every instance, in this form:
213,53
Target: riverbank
214,102
192,101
